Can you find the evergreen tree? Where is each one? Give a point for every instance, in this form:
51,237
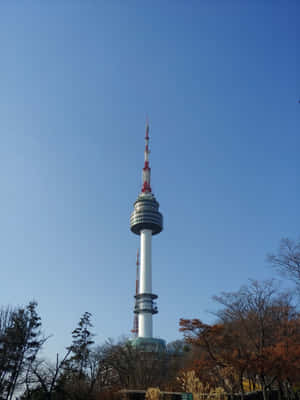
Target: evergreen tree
81,346
20,341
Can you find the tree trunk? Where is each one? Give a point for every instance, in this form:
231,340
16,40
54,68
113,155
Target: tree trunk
242,386
264,391
280,391
263,387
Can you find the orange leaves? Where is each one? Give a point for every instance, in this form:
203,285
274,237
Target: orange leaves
258,338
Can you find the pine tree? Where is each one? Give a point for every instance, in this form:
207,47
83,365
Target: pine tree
81,346
21,339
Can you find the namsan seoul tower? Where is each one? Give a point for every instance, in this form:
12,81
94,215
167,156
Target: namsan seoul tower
146,221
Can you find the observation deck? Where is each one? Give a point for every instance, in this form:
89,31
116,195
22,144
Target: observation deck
146,215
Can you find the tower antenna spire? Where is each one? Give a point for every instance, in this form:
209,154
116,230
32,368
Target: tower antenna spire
146,188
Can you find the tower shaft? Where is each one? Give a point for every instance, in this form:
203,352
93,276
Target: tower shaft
146,261
145,317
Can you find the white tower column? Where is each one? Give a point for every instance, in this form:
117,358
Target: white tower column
145,318
146,261
146,220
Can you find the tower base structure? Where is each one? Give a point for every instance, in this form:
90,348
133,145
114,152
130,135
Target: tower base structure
153,345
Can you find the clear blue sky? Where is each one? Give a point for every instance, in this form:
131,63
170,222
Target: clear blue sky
219,82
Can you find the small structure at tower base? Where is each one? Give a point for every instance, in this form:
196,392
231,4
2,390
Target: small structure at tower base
141,395
154,345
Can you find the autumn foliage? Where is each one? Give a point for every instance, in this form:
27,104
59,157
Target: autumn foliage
255,344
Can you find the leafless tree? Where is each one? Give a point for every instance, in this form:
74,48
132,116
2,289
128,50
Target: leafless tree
45,375
287,260
133,368
98,372
259,312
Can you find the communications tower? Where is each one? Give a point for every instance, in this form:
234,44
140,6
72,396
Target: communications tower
135,329
146,221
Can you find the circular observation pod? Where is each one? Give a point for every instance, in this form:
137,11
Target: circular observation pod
146,215
144,303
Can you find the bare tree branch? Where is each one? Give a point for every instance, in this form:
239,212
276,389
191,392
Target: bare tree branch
287,260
